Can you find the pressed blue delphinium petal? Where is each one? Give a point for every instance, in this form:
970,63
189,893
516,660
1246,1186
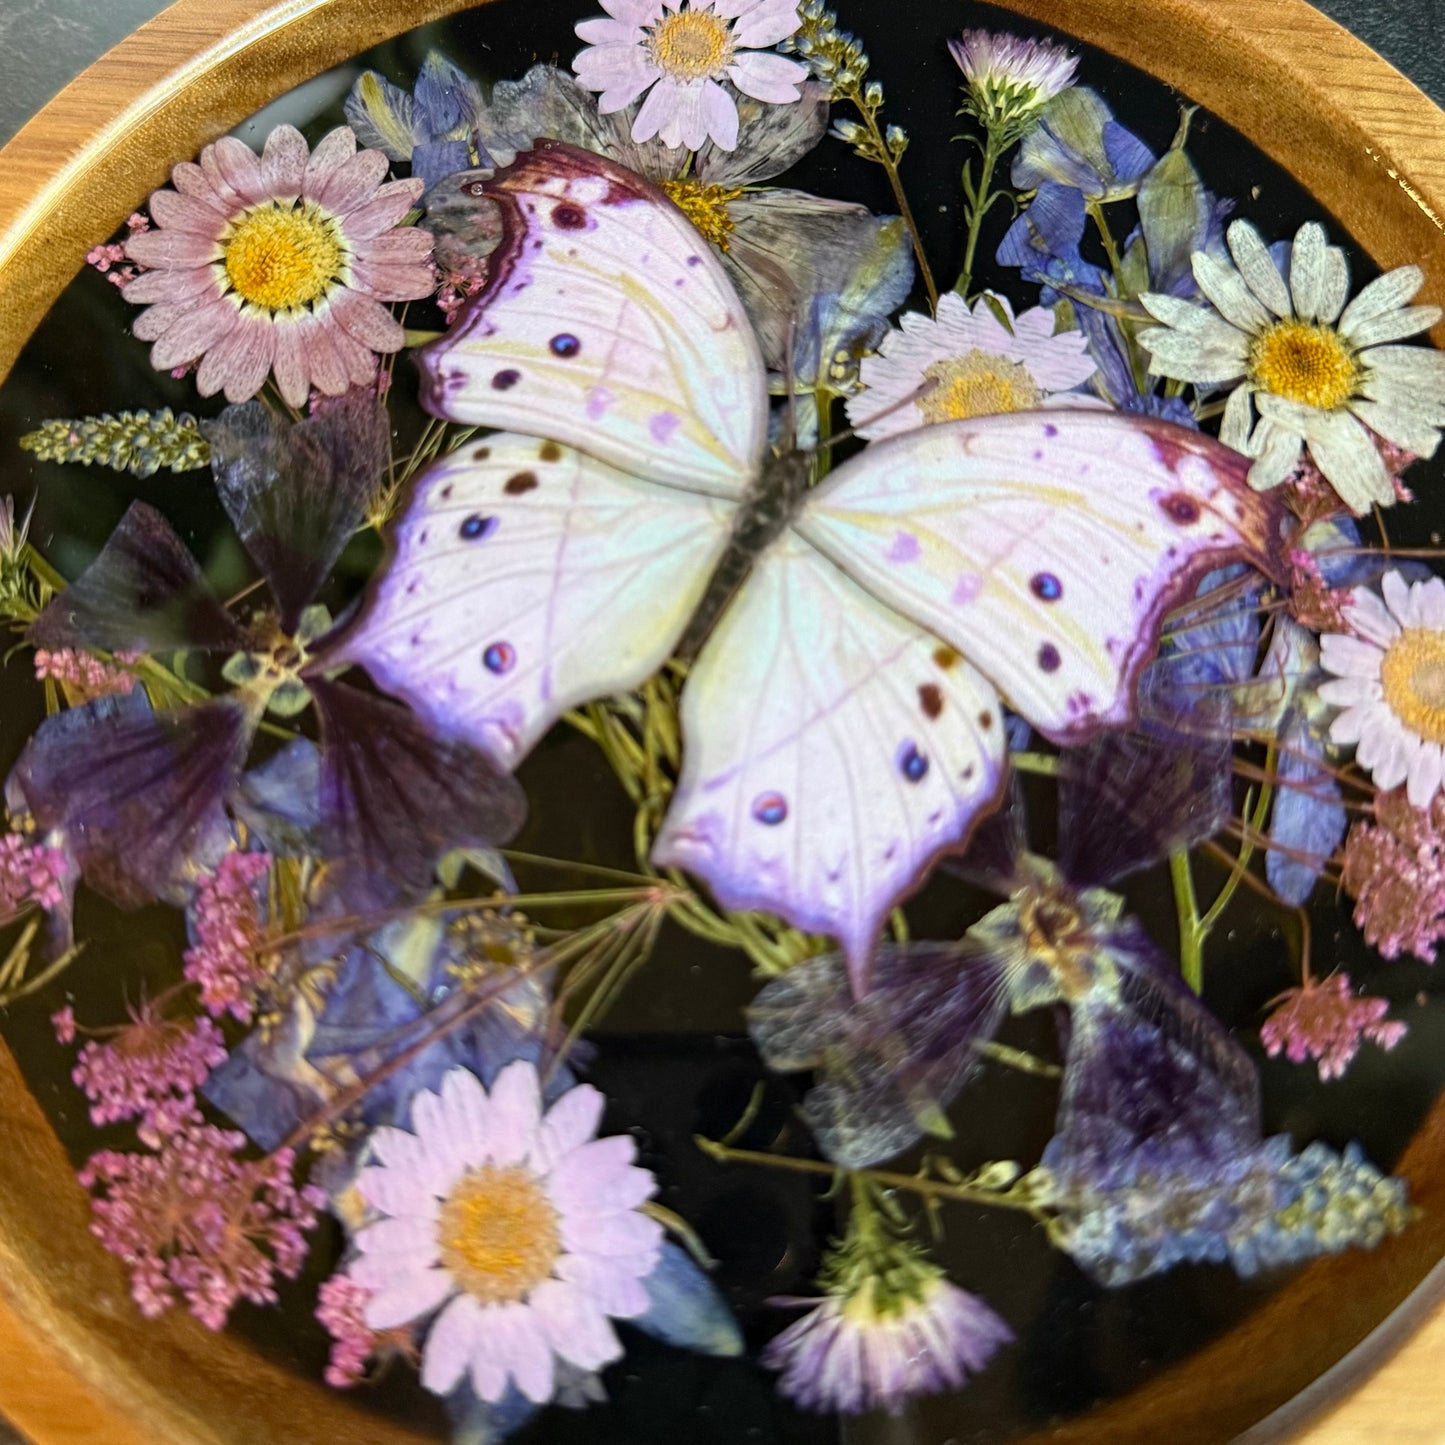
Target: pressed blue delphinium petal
1308,820
1078,143
1044,243
278,801
686,1309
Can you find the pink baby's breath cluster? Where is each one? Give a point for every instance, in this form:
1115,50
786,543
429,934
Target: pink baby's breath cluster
32,875
197,1223
149,1070
1394,869
1325,1020
339,1305
224,961
110,260
1313,603
83,675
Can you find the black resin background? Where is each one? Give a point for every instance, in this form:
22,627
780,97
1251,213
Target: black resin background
671,1057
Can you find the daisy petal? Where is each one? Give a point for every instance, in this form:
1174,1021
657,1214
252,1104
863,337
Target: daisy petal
1422,780
1385,293
1257,267
1392,325
449,1345
1225,287
1307,270
766,76
412,1294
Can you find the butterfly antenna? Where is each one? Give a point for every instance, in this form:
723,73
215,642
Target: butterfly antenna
887,411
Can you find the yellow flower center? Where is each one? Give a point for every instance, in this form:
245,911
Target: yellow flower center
1412,676
705,206
498,1234
1309,364
978,384
282,257
691,44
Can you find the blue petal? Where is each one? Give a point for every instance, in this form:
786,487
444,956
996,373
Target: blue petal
446,98
1308,821
686,1309
475,1422
278,801
434,161
1129,157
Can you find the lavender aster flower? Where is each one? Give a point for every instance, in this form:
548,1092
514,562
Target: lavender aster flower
865,1351
1009,79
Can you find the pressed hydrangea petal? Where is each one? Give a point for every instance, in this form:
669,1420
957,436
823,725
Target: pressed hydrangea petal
1257,267
1384,294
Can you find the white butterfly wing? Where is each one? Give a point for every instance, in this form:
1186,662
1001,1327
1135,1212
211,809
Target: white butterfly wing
527,578
831,750
608,324
1044,546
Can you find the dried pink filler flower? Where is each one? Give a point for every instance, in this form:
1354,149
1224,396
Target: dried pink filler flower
1394,869
1326,1021
279,264
31,875
193,1220
224,960
339,1305
63,1022
83,675
149,1070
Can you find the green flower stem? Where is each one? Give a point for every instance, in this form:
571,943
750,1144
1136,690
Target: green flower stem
1045,765
852,92
883,1178
980,204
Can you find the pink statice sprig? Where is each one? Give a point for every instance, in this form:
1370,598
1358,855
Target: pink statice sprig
225,958
32,875
1327,1021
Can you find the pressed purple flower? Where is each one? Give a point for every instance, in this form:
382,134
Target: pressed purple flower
1010,79
1327,1021
224,960
278,265
520,1231
852,1352
195,1221
678,54
149,1070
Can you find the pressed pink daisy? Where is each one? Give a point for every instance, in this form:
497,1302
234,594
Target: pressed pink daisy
1389,677
679,52
853,1353
1325,1020
972,365
521,1228
278,264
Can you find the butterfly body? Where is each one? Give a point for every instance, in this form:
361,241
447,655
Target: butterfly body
842,720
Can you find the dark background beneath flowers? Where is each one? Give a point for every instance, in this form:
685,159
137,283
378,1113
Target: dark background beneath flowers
43,43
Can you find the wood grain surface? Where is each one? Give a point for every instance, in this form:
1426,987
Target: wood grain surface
76,1362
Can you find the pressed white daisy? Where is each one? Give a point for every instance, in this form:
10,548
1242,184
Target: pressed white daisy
278,264
521,1228
977,366
1389,677
1010,79
1319,373
679,53
854,1352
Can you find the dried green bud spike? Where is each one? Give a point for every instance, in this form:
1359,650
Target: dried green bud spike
138,442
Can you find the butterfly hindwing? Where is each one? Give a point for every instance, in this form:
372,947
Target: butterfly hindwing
527,578
1045,546
608,324
831,750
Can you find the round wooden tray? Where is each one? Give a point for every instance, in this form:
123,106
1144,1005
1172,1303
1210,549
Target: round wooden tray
79,1364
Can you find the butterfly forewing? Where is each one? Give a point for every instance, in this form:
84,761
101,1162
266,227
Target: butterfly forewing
831,750
606,323
1045,546
527,578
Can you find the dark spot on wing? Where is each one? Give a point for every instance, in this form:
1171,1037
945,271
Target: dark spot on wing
1180,508
946,658
506,379
569,217
930,698
549,452
1049,658
521,483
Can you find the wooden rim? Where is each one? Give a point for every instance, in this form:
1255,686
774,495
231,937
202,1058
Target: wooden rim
79,1366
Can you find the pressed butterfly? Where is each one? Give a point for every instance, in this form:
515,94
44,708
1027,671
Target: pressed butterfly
842,723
